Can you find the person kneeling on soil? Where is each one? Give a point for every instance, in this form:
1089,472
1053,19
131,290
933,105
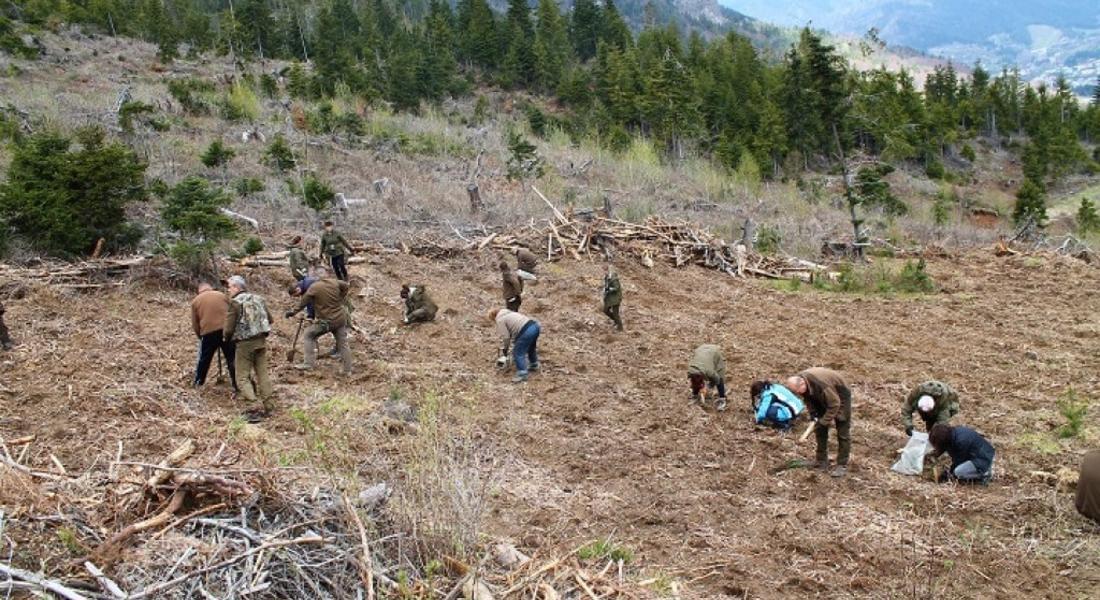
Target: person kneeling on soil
935,401
419,307
971,454
521,333
612,296
327,296
775,405
1088,486
830,403
707,369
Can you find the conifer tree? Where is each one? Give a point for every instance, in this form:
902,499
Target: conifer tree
584,28
551,46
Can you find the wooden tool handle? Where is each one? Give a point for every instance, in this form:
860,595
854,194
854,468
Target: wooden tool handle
806,434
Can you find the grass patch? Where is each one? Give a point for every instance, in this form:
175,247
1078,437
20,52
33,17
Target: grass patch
1041,443
604,550
911,279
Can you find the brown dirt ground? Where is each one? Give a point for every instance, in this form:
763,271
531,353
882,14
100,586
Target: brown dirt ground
603,443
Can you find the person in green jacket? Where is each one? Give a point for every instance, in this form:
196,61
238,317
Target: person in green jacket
934,400
333,246
612,296
296,257
708,368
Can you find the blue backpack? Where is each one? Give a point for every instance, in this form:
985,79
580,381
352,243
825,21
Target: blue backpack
777,406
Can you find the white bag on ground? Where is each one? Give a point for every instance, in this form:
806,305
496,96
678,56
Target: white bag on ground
911,461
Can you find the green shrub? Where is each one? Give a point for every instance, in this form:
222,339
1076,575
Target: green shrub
192,94
253,245
536,119
269,87
217,154
279,155
618,139
934,169
1087,219
247,186
968,153
914,279
130,110
1073,410
240,104
768,239
481,110
317,194
12,43
523,161
1030,204
192,210
63,199
946,200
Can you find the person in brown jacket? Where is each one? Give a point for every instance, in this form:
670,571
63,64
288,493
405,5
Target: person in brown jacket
526,262
5,338
511,286
1088,486
830,403
208,311
327,296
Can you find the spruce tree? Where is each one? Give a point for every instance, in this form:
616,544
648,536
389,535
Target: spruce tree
551,46
584,28
1030,204
1088,221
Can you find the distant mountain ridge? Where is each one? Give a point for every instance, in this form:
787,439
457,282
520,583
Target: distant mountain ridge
1044,39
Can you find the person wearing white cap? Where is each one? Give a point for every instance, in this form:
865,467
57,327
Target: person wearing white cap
935,401
248,323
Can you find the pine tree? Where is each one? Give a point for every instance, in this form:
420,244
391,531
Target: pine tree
1088,221
613,29
478,28
1030,204
584,28
551,46
192,210
63,199
217,155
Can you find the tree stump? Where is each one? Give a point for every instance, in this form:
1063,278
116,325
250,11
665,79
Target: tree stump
475,198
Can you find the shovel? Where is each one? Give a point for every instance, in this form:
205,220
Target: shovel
294,348
221,375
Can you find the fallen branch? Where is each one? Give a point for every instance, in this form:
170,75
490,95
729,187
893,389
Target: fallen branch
366,562
47,584
157,589
105,582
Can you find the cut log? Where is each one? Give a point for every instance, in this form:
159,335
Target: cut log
253,223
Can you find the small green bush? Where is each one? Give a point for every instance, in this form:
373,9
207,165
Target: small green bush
192,94
317,194
914,279
523,160
130,110
1088,220
247,186
1073,410
252,246
269,87
217,154
934,169
968,153
768,239
240,104
279,155
192,210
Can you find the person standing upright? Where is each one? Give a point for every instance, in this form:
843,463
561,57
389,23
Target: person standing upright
335,248
248,323
208,311
297,259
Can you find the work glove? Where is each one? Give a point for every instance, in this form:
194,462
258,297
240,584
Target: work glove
290,313
909,431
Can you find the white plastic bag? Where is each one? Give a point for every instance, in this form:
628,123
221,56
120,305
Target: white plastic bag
911,461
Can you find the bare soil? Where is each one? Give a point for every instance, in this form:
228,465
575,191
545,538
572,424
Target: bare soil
603,442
